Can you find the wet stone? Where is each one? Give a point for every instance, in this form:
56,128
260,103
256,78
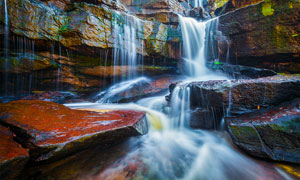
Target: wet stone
12,155
52,131
272,133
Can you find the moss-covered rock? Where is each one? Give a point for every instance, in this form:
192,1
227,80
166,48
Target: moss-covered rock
273,133
264,35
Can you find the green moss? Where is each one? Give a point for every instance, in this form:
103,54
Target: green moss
65,28
267,9
220,3
243,132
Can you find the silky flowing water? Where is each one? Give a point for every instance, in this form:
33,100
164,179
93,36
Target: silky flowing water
171,149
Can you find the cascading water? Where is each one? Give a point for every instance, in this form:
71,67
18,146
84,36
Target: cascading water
196,3
125,56
171,150
6,34
108,95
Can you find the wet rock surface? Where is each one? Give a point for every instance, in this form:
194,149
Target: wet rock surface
264,35
53,96
244,95
52,131
240,72
12,155
137,89
232,5
212,100
271,133
85,25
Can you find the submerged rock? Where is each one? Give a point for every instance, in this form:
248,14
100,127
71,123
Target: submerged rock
136,89
52,131
12,155
273,133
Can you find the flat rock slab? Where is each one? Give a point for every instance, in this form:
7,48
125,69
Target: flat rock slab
52,130
273,133
12,155
244,95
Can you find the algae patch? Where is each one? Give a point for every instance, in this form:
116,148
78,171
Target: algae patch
267,9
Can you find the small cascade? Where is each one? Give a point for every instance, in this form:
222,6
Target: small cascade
180,106
126,44
6,45
198,46
111,93
193,35
196,3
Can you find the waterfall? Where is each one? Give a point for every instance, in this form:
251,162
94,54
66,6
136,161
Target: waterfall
197,39
126,43
180,106
193,35
171,150
6,46
196,3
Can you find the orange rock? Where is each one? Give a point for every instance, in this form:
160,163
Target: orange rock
9,149
13,156
53,130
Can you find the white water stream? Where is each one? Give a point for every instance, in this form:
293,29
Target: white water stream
126,44
6,34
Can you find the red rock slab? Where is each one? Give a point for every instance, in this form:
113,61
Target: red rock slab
49,129
9,149
13,156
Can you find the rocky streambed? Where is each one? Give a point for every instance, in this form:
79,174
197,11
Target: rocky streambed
261,115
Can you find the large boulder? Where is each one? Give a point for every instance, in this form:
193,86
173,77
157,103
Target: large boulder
273,133
264,35
12,155
214,99
243,95
52,131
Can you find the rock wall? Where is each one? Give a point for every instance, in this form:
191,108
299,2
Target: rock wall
84,24
264,35
53,44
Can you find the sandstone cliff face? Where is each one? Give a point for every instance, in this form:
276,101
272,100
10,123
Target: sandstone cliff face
51,43
84,24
